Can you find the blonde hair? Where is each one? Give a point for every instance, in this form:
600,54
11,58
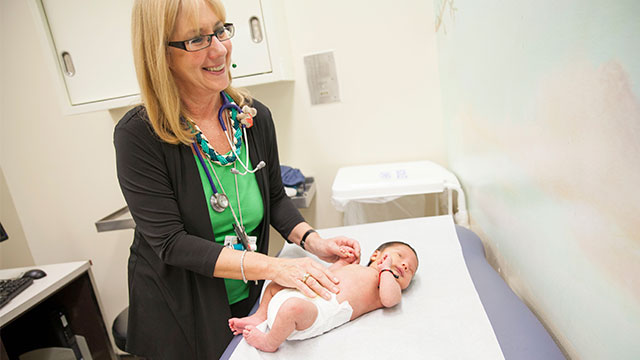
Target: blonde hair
152,23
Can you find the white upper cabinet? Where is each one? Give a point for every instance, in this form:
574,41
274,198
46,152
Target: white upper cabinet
250,54
88,47
88,44
261,51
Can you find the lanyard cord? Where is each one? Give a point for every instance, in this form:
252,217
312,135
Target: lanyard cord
238,198
235,176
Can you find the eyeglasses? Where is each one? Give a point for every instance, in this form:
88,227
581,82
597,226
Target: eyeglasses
222,33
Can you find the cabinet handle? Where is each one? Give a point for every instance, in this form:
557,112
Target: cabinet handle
256,30
69,69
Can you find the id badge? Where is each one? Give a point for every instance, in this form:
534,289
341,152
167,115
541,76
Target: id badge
232,242
253,243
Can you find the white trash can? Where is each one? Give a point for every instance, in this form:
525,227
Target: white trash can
354,186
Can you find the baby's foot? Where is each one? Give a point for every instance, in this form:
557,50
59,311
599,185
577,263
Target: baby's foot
258,339
238,324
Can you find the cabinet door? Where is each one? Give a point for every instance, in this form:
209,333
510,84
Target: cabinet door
91,42
93,37
250,47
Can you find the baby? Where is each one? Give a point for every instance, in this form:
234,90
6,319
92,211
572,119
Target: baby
293,316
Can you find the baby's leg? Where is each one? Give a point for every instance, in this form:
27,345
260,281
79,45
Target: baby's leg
294,314
238,324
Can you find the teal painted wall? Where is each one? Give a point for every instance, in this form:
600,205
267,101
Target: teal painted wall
542,116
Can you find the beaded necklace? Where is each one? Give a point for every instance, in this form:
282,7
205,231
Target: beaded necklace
210,152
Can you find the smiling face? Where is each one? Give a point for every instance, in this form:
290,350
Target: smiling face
205,72
404,262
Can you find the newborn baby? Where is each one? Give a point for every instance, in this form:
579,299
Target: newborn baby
293,316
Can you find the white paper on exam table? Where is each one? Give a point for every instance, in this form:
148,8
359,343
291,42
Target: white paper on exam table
440,316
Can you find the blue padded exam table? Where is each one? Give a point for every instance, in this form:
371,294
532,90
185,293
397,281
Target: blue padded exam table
520,335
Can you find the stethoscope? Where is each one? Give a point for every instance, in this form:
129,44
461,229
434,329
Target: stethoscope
219,201
228,105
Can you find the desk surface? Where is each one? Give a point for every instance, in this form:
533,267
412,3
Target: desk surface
58,275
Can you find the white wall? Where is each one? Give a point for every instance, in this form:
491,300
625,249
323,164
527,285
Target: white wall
60,170
387,71
14,253
541,100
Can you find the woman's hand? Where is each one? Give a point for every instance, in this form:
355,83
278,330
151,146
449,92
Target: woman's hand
334,249
292,273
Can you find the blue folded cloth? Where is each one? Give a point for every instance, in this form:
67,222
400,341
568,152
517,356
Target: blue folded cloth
291,177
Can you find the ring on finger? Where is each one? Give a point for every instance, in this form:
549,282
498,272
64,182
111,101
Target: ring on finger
305,277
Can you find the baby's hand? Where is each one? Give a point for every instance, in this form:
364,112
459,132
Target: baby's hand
386,263
347,257
348,254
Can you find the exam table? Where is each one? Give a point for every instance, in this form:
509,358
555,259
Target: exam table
518,332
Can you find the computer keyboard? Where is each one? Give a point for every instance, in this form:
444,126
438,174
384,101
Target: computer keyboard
10,288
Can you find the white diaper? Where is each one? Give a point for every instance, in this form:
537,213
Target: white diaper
331,314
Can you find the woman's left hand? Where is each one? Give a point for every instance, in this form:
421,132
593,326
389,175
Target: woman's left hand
334,249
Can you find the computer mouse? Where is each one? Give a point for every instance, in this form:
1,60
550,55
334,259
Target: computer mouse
35,274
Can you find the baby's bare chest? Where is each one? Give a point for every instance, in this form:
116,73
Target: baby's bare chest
359,286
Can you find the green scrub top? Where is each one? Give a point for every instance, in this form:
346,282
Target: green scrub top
250,205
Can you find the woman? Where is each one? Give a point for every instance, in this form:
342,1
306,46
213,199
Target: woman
174,159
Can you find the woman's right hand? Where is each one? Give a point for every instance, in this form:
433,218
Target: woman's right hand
291,273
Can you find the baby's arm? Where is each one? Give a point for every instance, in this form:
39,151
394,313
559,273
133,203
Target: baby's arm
344,260
338,264
389,290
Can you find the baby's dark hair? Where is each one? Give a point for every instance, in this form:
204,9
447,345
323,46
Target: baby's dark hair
392,243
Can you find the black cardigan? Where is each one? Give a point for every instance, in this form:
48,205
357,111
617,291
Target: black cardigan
177,310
